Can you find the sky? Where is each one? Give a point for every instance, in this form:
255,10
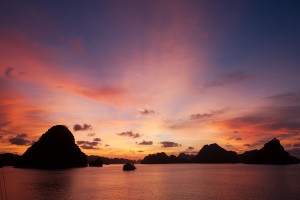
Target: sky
132,78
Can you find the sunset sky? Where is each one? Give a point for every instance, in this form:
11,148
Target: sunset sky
130,78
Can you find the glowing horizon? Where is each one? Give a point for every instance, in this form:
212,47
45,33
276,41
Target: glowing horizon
141,73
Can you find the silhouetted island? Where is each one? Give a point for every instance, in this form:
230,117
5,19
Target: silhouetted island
96,163
8,159
213,153
108,161
163,158
272,153
55,149
185,157
244,157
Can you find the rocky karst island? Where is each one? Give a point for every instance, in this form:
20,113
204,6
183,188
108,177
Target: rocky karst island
56,149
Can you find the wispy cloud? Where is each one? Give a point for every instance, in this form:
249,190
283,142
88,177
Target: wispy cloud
146,111
286,98
145,143
235,138
196,120
167,144
276,118
96,139
91,134
9,72
20,140
88,144
205,116
84,127
247,145
190,148
226,79
129,134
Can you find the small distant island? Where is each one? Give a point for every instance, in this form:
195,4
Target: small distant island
56,149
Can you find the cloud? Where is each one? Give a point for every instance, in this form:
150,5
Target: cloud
235,138
145,143
268,119
9,72
296,145
91,134
22,135
5,131
97,140
140,151
167,144
289,98
106,145
196,120
20,140
85,127
129,134
146,111
190,148
204,116
85,146
88,144
228,145
226,79
114,96
288,135
247,145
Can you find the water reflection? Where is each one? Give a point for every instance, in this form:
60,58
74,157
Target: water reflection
52,185
182,181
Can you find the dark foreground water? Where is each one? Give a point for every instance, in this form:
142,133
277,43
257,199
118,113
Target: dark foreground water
177,181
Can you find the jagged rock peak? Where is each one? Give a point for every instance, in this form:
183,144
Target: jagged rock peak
272,153
55,149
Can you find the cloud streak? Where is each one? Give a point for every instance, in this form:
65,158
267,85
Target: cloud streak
168,144
9,72
145,142
196,120
226,79
129,134
84,127
88,144
20,140
146,112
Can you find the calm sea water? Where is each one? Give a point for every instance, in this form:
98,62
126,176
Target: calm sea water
177,181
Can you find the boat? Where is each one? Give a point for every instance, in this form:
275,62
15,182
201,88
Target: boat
129,167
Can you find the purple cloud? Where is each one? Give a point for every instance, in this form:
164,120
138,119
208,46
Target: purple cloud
146,111
129,134
97,140
145,143
167,144
85,127
88,144
20,140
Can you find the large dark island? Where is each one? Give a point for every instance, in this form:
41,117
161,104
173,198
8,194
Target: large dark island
272,153
56,149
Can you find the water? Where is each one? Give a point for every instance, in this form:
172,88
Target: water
177,181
